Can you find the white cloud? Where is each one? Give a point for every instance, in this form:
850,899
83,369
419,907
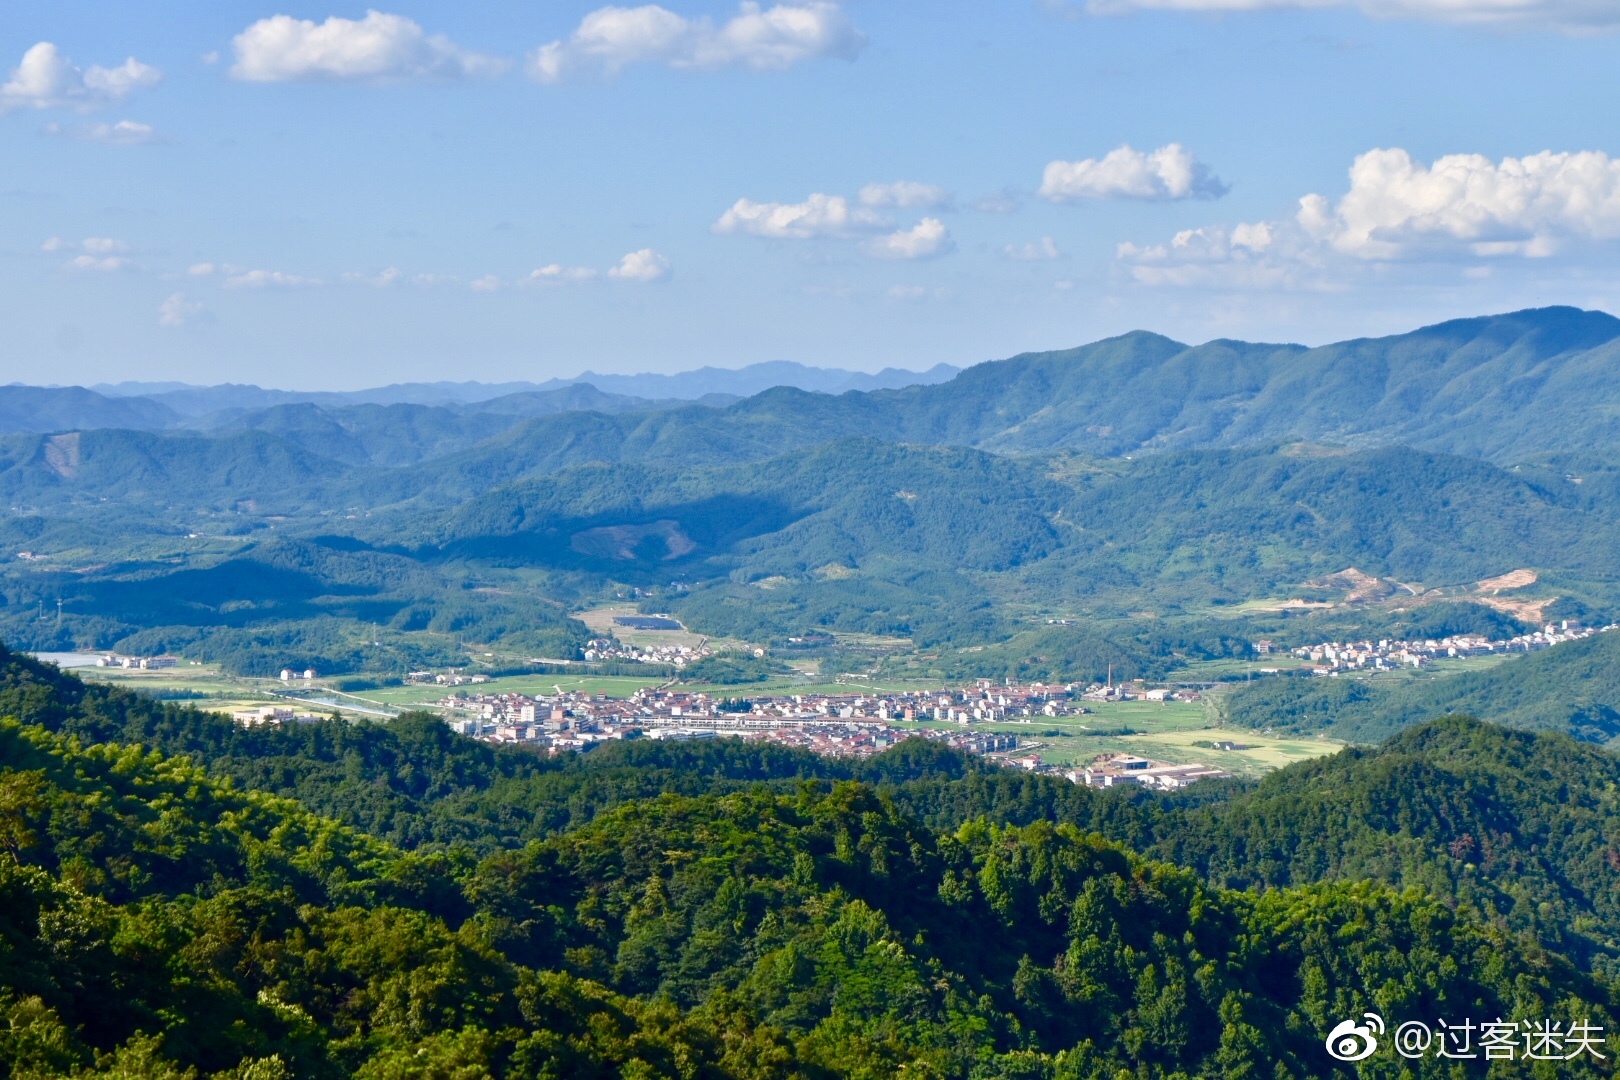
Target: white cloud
487,283
1251,256
176,310
1521,206
379,47
612,38
925,240
906,194
102,263
1463,208
555,273
102,245
832,217
48,80
818,216
1034,251
645,265
1169,172
202,269
1575,15
268,279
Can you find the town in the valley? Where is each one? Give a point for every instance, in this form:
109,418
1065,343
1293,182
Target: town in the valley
973,719
853,724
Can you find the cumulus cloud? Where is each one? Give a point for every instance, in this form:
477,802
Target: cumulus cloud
48,80
1034,251
1519,206
612,38
379,47
177,310
1169,172
926,240
1576,15
557,274
905,194
1251,255
268,279
833,217
818,216
1460,208
645,265
487,283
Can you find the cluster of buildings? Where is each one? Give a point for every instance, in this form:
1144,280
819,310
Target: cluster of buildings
451,678
486,715
1111,770
1332,657
600,649
1134,692
850,724
141,663
275,715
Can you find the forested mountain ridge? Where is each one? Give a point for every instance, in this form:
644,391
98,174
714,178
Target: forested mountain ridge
1525,827
41,408
1505,387
1502,387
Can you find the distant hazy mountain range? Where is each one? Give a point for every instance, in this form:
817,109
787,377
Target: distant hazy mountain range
156,405
1500,387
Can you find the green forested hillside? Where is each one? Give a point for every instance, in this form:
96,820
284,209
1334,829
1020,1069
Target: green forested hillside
153,917
1574,688
223,472
404,433
66,408
1521,826
1503,387
1194,524
938,545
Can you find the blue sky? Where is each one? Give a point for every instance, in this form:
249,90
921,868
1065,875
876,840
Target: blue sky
323,197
